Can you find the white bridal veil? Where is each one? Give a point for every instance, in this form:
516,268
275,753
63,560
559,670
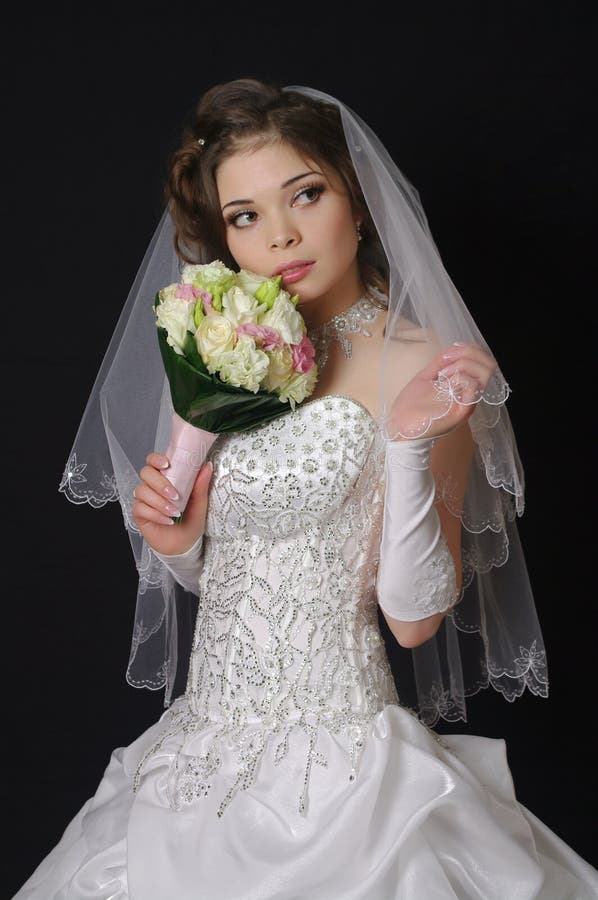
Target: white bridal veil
492,636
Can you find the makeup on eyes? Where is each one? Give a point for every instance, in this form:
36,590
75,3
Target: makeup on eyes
318,186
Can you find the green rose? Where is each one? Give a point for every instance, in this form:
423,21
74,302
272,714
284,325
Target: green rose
263,289
268,291
214,277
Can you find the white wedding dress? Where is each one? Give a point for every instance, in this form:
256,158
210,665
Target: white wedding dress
290,769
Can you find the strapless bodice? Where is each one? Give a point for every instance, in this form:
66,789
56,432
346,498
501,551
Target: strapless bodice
287,633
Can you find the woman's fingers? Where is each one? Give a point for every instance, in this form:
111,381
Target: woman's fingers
444,393
151,498
155,497
148,513
144,513
156,504
461,386
459,353
157,460
159,483
469,368
472,353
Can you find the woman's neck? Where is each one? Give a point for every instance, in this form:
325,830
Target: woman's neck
322,309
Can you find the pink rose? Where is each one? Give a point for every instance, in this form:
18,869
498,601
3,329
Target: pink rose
269,336
207,303
303,355
186,292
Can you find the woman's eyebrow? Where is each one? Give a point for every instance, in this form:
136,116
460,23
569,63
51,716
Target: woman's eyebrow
282,186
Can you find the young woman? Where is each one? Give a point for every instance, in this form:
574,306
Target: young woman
293,766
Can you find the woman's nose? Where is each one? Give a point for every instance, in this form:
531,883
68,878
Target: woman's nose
284,235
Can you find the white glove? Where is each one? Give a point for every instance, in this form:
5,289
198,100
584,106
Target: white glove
416,571
185,567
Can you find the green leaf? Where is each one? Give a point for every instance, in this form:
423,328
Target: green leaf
193,355
205,401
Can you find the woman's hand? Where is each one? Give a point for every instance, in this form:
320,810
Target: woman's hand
443,395
156,504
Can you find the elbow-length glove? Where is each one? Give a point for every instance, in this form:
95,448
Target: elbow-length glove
185,567
416,571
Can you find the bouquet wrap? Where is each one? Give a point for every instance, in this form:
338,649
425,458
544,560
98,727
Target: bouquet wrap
187,450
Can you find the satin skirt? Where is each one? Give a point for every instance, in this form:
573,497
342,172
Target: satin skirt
419,822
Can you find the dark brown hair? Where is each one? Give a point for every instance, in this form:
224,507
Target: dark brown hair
246,112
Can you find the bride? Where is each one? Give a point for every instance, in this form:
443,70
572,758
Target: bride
293,765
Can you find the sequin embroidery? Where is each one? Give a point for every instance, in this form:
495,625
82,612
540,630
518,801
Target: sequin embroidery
287,634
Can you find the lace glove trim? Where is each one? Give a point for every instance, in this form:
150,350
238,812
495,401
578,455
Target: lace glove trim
185,567
416,572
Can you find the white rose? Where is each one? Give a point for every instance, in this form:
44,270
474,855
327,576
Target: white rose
245,366
298,386
285,319
214,337
280,368
176,316
239,308
169,292
209,273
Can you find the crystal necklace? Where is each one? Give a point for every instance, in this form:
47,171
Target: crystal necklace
350,321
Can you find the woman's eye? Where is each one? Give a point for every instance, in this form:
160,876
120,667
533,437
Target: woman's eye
308,194
242,219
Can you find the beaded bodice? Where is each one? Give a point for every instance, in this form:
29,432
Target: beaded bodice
287,634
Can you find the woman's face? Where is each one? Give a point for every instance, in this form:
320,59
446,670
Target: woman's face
283,216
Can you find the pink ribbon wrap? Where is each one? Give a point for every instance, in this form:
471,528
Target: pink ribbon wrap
187,453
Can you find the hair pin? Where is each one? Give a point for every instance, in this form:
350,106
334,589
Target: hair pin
201,142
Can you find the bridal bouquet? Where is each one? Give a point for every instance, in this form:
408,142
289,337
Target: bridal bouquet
234,348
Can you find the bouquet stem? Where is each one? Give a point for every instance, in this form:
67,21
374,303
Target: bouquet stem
187,452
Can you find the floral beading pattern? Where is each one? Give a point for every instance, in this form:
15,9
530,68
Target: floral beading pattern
287,636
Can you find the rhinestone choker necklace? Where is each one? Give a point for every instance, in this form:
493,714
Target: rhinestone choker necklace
349,321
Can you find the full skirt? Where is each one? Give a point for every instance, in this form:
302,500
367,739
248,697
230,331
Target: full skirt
418,822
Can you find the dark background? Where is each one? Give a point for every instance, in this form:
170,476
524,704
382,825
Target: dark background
488,109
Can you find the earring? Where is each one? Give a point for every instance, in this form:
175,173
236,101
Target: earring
359,234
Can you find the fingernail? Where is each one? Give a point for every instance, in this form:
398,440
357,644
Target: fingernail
164,464
170,492
446,370
172,510
166,521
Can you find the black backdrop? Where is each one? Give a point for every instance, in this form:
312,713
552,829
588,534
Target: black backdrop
487,109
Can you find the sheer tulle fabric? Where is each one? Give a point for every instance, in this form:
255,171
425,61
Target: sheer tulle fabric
492,637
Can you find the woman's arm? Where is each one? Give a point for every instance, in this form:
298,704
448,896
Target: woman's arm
429,531
419,573
186,567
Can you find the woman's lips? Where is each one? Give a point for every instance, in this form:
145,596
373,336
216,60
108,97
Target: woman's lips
289,276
